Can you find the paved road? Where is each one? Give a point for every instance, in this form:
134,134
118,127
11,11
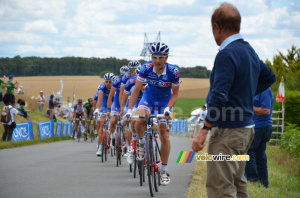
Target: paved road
71,169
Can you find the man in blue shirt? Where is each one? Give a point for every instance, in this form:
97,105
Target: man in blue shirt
160,95
101,106
237,76
257,169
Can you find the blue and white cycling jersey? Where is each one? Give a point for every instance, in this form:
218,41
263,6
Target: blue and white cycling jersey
125,78
96,96
117,84
129,84
103,89
159,86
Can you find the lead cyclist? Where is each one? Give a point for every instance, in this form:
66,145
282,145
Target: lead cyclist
160,95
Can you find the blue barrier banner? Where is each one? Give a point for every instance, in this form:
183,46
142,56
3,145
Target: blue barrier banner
65,127
182,126
46,129
23,131
58,129
70,131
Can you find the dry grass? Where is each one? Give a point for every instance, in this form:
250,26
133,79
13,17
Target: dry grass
86,86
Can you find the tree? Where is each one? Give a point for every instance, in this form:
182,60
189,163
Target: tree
287,66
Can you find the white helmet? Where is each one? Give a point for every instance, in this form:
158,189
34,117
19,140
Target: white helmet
159,48
124,69
133,64
109,76
137,70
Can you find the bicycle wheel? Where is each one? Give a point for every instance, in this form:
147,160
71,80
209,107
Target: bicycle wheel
92,132
106,146
78,132
150,165
141,165
119,147
134,166
156,174
103,147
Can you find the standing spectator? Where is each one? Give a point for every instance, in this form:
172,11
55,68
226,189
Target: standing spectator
9,127
23,110
202,114
51,107
41,101
237,76
20,90
257,169
9,96
2,85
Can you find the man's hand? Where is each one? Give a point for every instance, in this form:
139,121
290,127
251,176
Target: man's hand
128,114
198,142
168,112
96,111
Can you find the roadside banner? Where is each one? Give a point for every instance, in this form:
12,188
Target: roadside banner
23,131
65,128
70,131
46,129
58,129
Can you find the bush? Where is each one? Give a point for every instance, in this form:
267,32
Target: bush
291,107
290,140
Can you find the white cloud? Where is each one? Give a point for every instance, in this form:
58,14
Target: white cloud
42,26
105,28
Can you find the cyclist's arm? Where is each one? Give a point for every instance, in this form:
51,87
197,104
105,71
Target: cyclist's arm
85,113
122,87
173,100
124,100
135,93
99,102
111,95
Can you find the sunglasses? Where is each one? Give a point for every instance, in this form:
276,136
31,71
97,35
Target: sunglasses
144,85
158,57
108,82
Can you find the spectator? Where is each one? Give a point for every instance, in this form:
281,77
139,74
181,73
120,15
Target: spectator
2,86
9,96
237,76
41,101
9,127
20,90
202,114
257,169
51,107
23,110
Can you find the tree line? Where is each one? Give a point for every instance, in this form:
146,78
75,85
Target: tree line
37,66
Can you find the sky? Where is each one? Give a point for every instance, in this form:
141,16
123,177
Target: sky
115,28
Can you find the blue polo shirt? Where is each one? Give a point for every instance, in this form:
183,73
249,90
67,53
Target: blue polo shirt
264,100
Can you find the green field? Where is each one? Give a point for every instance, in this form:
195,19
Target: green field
185,106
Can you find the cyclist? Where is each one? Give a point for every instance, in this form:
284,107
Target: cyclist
161,95
103,93
114,94
77,113
133,64
88,112
129,84
134,138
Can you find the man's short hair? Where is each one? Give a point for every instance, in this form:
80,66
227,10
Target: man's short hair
227,17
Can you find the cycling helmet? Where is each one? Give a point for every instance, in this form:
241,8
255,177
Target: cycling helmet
159,48
109,76
137,70
79,100
133,64
124,69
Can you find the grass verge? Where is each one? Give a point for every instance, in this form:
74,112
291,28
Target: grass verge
184,106
284,178
6,145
